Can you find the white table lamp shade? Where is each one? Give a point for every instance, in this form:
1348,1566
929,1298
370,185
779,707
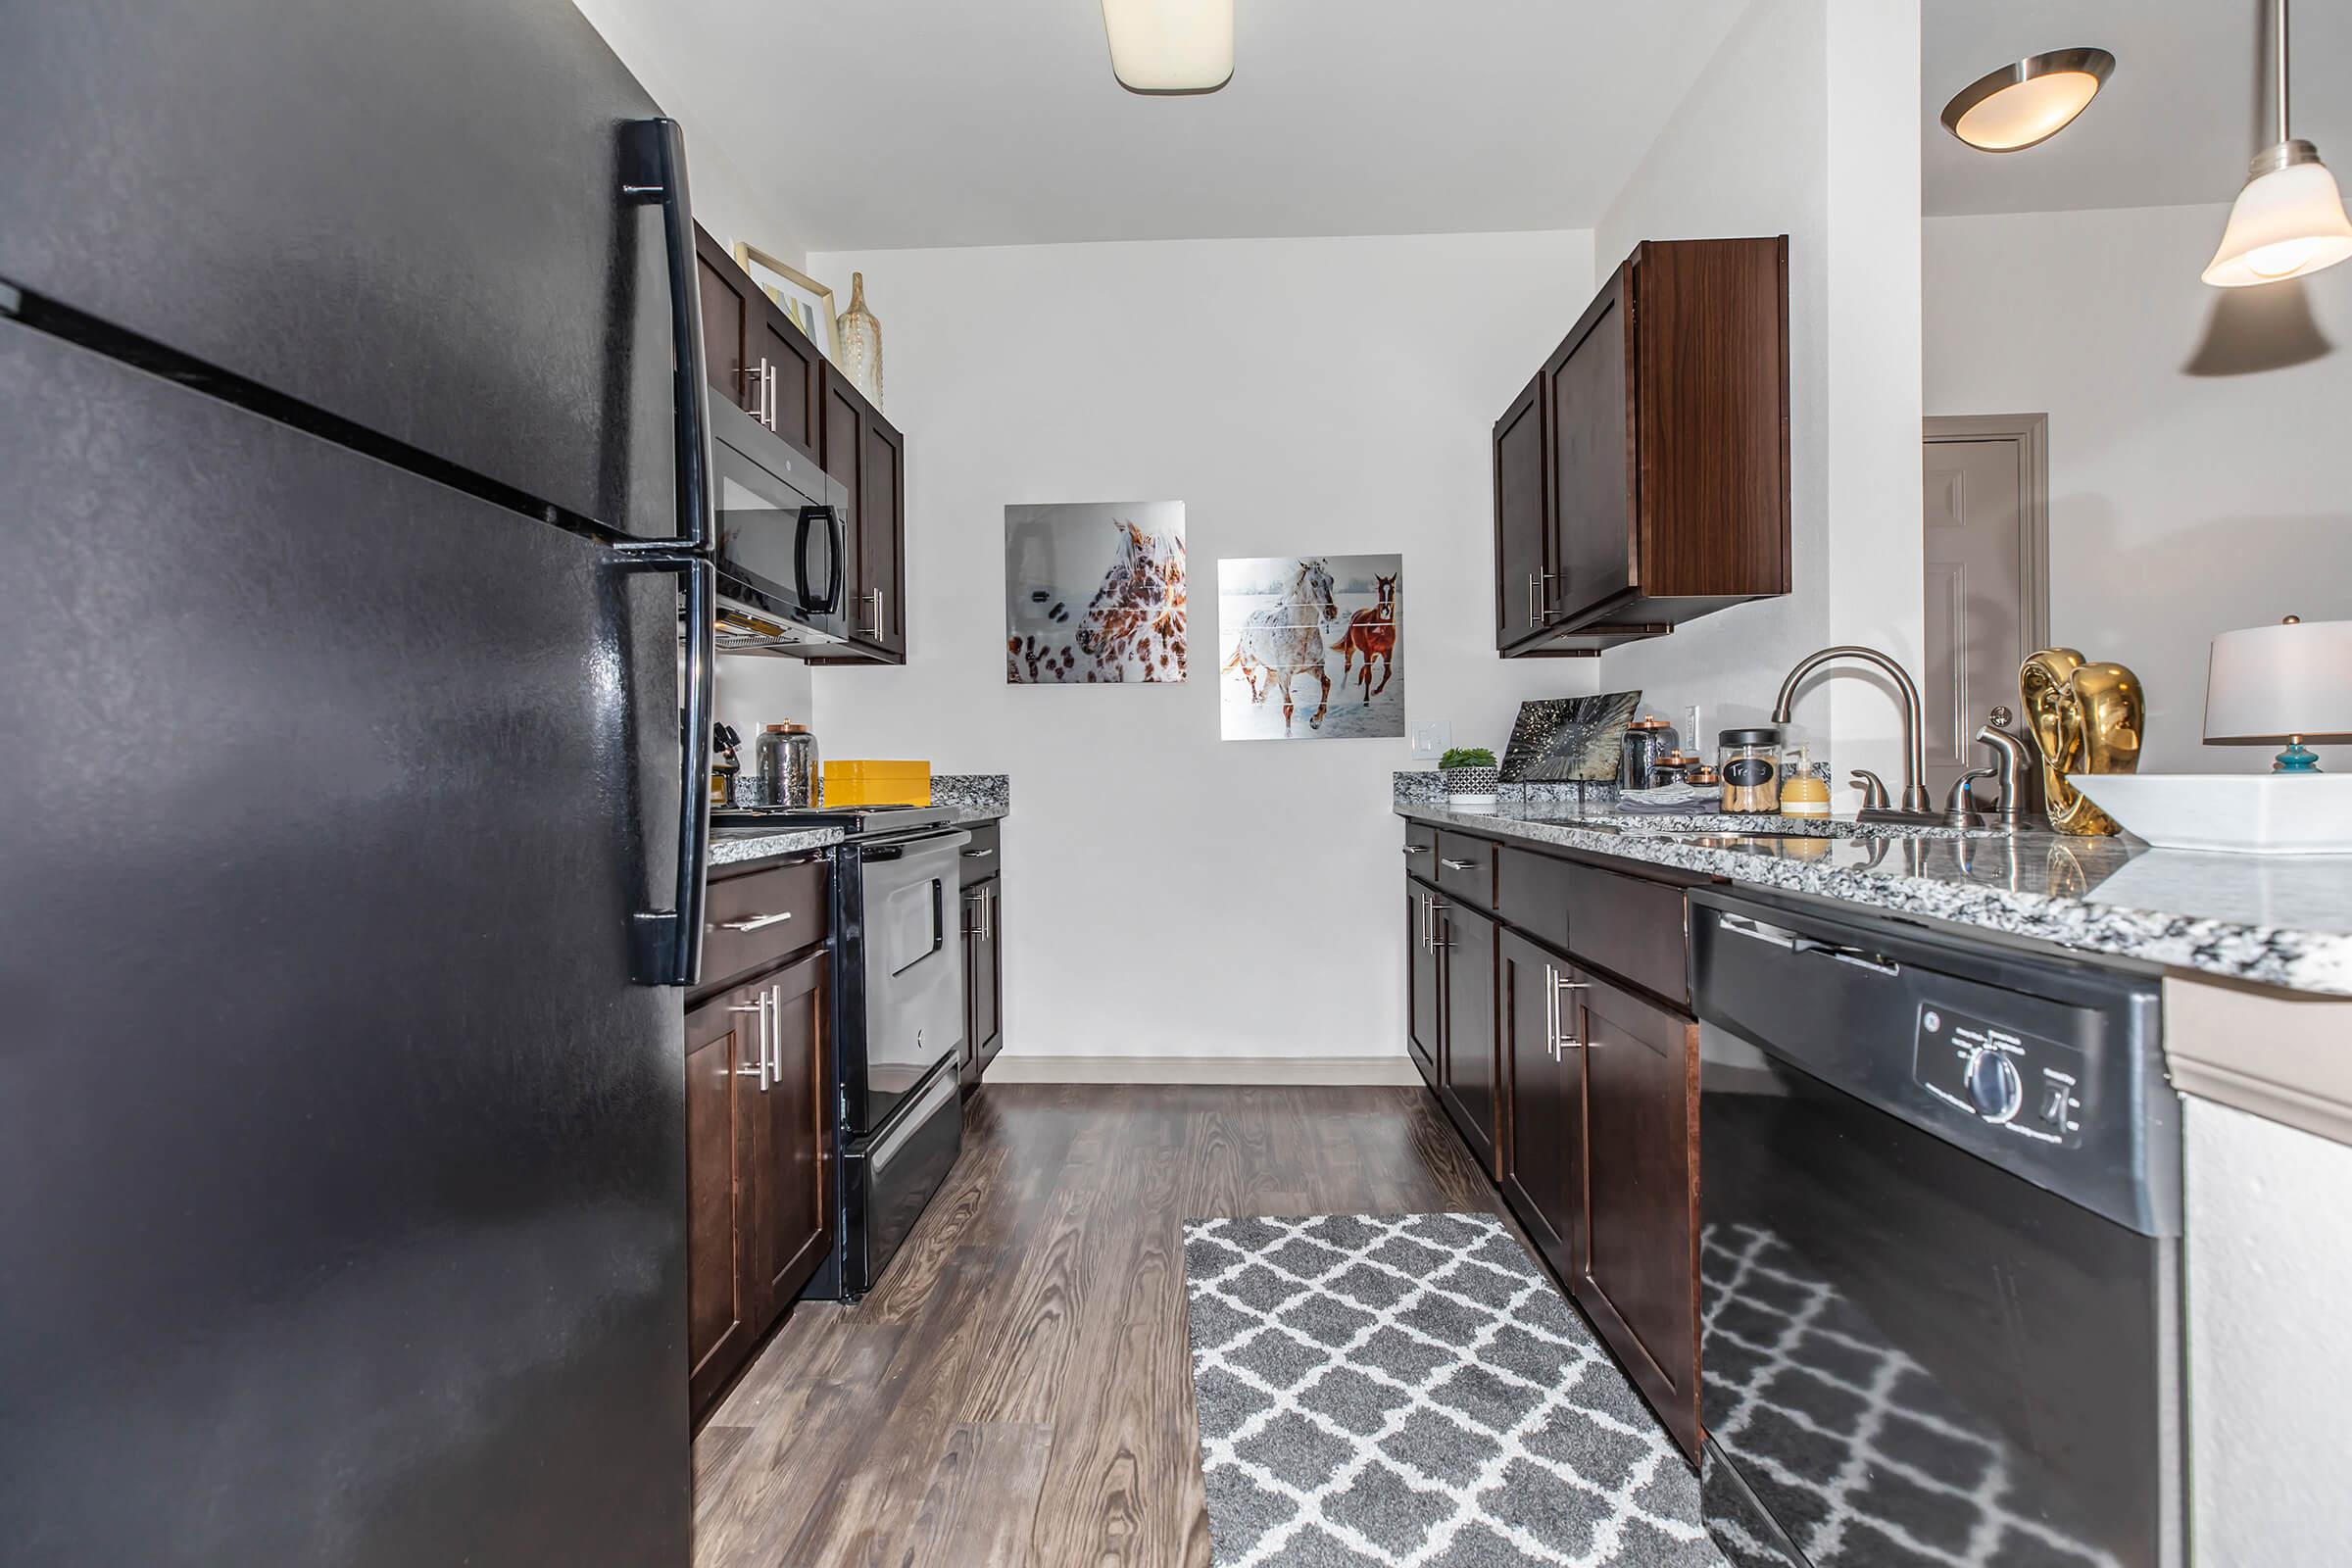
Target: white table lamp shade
2266,683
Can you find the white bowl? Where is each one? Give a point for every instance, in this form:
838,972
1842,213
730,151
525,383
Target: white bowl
2243,814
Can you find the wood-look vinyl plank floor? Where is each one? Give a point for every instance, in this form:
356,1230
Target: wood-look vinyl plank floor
1017,1392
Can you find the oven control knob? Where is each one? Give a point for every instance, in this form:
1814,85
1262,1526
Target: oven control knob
1995,1085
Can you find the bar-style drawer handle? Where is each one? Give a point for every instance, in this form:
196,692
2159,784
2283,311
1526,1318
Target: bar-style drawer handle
978,854
1457,865
754,922
1416,849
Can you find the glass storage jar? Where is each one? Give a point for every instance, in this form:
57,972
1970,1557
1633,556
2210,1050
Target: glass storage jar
1749,763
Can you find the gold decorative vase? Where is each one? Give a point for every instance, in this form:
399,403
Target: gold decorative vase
2086,719
862,343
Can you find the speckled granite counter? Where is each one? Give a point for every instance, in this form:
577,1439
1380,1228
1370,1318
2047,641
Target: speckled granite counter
735,846
2281,921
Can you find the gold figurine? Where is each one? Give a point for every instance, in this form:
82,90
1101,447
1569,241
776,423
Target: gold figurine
2086,719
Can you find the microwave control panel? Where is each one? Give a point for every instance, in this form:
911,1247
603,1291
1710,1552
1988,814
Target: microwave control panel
2003,1077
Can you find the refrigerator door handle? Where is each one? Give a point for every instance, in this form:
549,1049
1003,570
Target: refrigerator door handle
667,944
656,152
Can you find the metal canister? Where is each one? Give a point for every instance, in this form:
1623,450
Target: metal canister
798,770
1646,745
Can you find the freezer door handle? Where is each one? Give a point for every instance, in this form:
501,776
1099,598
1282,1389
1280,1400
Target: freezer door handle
667,944
656,153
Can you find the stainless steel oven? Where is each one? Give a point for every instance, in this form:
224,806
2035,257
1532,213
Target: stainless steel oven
782,543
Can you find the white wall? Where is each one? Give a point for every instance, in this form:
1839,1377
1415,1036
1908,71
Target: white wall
2182,504
1169,894
1805,122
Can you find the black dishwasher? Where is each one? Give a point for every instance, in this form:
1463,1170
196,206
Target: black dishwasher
1940,1257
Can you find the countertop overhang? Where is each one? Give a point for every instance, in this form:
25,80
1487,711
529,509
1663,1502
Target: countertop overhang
2284,922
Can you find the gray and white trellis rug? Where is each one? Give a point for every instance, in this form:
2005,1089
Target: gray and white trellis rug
1410,1390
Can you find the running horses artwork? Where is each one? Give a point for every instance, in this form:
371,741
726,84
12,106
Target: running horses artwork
1095,594
1373,633
1287,619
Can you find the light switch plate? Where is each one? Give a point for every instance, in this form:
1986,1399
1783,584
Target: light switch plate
1431,740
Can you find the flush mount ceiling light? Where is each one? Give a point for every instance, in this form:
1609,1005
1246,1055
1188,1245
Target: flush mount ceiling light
1171,46
2021,106
2289,218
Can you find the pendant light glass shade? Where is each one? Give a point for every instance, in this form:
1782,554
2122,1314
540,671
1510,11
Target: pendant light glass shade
1171,46
2289,220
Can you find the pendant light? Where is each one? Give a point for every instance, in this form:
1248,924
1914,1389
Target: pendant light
2025,105
1171,46
2288,221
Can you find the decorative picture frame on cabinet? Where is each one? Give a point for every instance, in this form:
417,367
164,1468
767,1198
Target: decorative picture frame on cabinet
806,301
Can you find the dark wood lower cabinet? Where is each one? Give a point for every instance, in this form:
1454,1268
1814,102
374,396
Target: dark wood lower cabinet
983,982
759,1200
1468,1075
1544,1063
1425,996
1573,1077
1640,1280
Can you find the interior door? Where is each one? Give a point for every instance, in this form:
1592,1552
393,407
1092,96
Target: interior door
1472,1080
401,212
792,1209
1544,1167
1640,1280
1589,391
362,1193
1985,558
1523,585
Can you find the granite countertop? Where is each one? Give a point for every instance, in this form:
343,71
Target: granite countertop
2271,919
975,798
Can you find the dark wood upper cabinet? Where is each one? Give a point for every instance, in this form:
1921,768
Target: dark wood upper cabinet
794,369
727,310
1662,426
1521,585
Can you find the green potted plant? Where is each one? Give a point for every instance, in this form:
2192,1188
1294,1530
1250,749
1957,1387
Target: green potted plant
1471,777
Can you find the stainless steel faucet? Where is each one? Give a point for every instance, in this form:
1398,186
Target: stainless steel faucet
1916,806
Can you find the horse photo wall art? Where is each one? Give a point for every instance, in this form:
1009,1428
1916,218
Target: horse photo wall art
1310,648
1094,593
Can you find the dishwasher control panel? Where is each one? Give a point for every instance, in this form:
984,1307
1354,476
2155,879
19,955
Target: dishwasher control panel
2002,1076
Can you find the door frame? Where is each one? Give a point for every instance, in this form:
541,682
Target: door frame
2032,433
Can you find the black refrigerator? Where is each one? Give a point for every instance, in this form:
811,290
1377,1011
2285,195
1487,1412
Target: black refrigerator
352,482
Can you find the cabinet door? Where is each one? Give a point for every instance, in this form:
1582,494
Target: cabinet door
1543,1066
727,308
842,420
723,1305
1522,589
882,529
795,369
1641,1276
792,1203
1425,1000
1588,389
1468,1076
987,1013
967,1056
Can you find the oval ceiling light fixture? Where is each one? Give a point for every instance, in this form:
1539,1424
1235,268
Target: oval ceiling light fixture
2023,105
2289,218
1171,46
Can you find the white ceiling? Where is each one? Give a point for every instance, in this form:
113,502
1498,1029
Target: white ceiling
920,123
2174,124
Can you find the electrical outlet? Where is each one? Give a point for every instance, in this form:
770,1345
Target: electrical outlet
1430,740
1692,742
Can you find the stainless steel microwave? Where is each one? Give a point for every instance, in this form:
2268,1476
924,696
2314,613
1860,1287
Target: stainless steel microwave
782,543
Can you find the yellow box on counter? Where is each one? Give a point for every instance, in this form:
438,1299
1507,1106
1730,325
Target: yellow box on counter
878,783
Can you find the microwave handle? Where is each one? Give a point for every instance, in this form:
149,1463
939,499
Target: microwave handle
810,518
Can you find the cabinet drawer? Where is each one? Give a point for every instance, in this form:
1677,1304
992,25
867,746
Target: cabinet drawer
1632,927
742,929
1421,849
980,859
1534,891
1466,868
